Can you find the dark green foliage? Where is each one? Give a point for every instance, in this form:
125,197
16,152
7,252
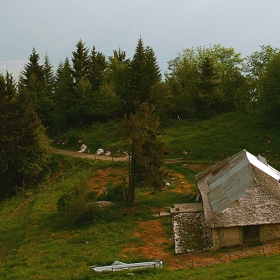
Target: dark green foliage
115,82
39,81
80,62
143,73
24,147
206,99
77,205
255,68
80,205
270,89
47,94
112,192
207,81
97,64
202,82
65,100
146,151
164,101
33,73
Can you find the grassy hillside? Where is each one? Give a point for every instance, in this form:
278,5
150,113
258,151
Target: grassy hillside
206,141
223,136
35,243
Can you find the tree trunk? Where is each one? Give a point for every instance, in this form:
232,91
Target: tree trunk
124,190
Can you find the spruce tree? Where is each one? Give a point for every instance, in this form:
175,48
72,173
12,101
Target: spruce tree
47,94
206,99
146,154
143,73
39,82
116,75
65,99
33,74
80,62
97,68
24,151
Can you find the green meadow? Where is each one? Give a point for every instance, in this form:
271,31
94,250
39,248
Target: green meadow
38,242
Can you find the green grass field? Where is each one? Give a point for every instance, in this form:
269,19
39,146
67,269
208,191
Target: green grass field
36,244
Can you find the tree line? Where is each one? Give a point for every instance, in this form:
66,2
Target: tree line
200,83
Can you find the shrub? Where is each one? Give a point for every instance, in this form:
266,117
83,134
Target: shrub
112,192
77,205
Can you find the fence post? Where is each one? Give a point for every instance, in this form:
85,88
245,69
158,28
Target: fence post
263,251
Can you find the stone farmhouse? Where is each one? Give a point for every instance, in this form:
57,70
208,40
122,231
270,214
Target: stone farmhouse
241,200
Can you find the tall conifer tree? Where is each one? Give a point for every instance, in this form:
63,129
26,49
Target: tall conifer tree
24,151
146,151
143,73
97,67
80,62
65,99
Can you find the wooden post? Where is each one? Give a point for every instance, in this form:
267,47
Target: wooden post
263,251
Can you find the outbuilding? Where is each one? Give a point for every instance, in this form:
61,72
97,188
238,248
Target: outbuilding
241,200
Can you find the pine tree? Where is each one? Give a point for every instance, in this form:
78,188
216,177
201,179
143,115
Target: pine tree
47,94
49,76
24,151
97,68
146,151
80,62
208,81
143,73
33,74
65,99
116,75
39,81
7,120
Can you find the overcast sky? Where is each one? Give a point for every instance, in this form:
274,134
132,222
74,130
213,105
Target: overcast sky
55,26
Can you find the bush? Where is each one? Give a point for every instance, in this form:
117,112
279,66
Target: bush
77,205
113,192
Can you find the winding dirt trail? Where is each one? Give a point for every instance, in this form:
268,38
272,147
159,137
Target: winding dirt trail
85,155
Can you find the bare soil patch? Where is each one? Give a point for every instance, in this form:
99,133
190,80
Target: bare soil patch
103,177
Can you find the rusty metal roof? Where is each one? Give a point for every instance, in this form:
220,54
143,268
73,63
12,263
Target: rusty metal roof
224,185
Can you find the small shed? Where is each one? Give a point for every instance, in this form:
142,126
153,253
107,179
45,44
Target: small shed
241,200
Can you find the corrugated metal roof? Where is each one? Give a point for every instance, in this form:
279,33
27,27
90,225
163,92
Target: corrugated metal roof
225,186
231,186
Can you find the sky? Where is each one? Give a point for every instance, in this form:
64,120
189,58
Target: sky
54,27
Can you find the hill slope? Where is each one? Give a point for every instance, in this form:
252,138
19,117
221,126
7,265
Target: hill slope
36,244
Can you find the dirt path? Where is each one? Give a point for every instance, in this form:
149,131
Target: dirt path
85,155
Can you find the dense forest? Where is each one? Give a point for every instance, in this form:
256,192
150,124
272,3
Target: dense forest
200,83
